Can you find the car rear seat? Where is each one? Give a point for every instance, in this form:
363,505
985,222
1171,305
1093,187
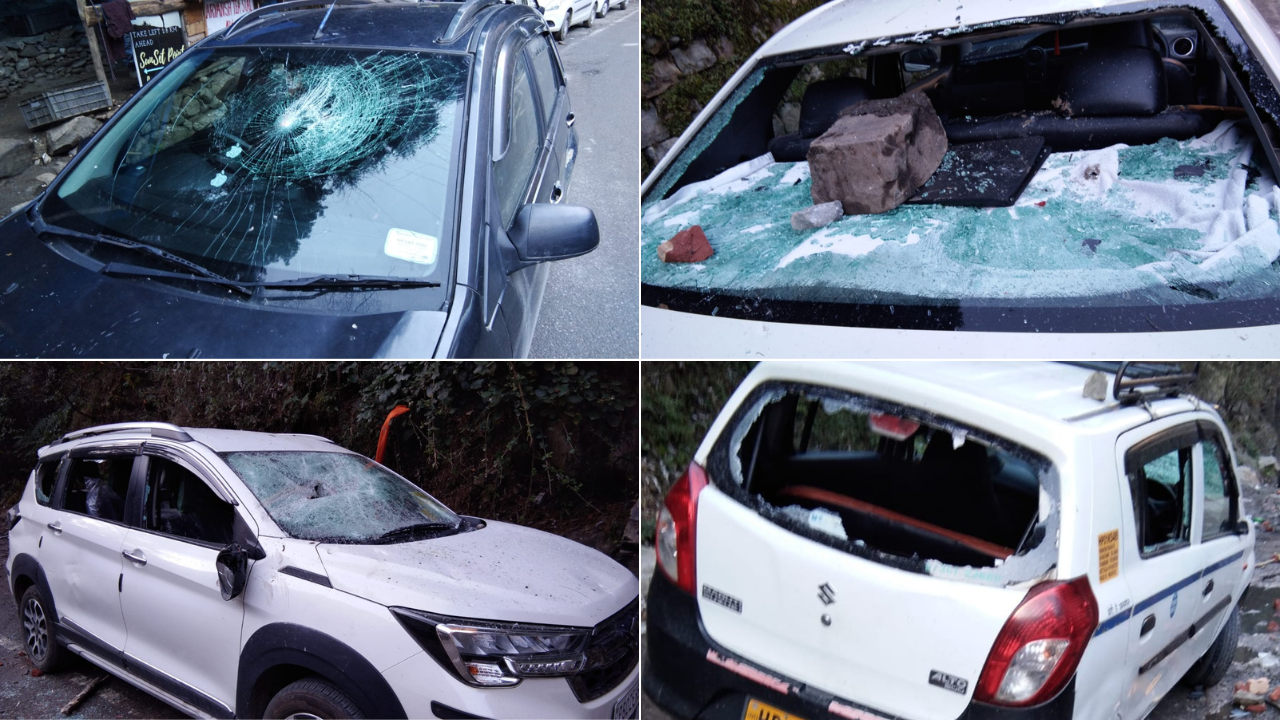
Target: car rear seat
819,109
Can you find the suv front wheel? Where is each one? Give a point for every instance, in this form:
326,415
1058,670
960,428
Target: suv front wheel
37,631
1212,666
312,698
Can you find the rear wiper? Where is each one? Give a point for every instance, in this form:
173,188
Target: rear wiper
346,281
197,272
413,530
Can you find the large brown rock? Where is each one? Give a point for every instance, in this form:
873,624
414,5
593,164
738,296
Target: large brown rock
687,246
877,154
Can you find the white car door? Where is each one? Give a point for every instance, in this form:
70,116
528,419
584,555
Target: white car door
80,550
180,626
1158,558
1222,547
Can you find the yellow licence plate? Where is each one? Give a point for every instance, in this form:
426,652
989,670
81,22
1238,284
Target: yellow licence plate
757,710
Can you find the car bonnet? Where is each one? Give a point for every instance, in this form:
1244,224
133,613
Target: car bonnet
500,572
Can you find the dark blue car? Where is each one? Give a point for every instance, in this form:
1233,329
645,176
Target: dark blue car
353,179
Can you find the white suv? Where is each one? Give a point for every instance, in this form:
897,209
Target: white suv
935,541
247,574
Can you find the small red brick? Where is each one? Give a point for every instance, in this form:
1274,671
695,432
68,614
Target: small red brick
687,246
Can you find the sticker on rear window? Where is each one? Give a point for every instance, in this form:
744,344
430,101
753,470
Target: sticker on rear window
1108,555
948,682
722,598
411,246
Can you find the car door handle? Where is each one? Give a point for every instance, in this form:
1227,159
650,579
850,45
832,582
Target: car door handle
557,193
1148,624
56,527
1208,588
135,555
568,121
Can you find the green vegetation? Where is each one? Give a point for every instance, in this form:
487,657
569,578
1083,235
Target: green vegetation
550,445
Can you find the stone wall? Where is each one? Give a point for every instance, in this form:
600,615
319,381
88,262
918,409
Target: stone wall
691,49
29,65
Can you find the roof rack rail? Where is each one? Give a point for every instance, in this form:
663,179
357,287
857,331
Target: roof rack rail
1140,382
465,18
286,6
158,429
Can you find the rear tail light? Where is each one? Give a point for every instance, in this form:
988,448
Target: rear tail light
1039,647
675,534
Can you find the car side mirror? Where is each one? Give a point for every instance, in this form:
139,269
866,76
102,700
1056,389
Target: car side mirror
1242,527
233,570
546,231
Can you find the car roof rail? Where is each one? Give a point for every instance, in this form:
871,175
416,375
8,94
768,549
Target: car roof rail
286,6
465,18
165,430
1140,382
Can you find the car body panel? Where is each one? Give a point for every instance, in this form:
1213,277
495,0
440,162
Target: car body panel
877,640
531,576
671,334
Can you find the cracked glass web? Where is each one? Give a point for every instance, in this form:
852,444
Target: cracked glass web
270,163
334,496
1117,220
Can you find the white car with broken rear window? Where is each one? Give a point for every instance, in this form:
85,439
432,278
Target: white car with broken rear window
242,574
1078,178
932,541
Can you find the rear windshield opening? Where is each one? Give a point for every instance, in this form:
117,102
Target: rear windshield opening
894,483
1112,164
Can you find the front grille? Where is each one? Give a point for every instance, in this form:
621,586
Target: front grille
612,654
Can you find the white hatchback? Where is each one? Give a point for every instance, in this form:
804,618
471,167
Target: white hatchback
271,575
931,541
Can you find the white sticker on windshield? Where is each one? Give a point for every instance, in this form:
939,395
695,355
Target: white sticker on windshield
411,246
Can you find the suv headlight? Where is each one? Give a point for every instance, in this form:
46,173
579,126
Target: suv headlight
486,653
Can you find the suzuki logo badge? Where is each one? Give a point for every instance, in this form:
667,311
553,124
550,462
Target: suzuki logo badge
826,594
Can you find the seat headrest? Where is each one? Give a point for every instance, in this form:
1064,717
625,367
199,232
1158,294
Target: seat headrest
824,100
1110,81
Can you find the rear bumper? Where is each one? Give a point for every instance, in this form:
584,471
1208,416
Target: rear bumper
680,677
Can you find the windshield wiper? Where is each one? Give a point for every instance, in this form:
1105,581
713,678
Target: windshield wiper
409,531
346,281
196,272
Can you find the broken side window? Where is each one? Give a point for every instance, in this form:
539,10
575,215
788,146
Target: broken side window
893,483
97,486
179,503
339,497
46,480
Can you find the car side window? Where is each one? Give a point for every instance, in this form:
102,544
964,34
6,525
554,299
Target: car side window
546,72
179,503
1160,483
1219,491
97,487
46,481
512,173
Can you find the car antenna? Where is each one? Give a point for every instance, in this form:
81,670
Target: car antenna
325,20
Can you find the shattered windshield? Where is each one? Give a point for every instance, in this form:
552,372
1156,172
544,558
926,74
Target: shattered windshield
268,164
338,497
1051,200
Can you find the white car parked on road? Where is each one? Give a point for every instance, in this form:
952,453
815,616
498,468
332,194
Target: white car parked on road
561,15
932,541
241,574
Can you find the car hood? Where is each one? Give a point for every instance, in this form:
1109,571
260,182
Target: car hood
498,572
52,307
